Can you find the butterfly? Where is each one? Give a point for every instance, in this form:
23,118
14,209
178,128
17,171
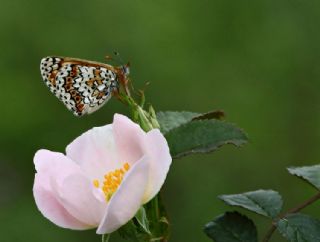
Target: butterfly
83,86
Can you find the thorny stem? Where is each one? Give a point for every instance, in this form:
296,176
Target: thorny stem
293,210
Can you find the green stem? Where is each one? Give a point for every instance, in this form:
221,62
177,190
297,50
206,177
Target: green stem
296,209
156,207
148,121
106,237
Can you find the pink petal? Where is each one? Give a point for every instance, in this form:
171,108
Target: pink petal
159,159
45,197
129,138
50,162
77,196
125,203
54,167
95,151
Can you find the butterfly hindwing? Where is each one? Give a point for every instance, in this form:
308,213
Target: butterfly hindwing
83,86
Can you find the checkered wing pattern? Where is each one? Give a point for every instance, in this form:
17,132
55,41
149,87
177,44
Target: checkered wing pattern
83,86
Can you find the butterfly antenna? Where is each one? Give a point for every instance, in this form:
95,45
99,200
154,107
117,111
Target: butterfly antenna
118,58
108,58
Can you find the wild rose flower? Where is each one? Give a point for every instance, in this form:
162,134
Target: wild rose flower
106,175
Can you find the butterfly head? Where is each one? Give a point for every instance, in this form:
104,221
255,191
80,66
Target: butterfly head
123,72
125,69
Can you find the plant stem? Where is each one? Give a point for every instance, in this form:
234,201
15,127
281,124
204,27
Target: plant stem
305,204
147,120
293,210
269,232
155,204
106,237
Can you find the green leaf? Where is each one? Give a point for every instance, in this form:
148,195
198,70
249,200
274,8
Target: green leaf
132,233
142,219
169,120
203,136
188,132
231,227
308,173
217,114
299,228
128,231
265,202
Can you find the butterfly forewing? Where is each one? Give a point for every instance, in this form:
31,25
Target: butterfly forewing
83,86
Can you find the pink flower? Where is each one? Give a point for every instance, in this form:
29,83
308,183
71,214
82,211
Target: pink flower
106,175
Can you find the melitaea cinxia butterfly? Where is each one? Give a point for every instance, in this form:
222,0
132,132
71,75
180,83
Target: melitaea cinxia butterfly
83,86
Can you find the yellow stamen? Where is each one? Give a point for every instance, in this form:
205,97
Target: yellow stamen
112,181
105,189
96,183
126,166
117,173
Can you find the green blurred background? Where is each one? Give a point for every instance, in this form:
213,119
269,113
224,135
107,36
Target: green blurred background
257,60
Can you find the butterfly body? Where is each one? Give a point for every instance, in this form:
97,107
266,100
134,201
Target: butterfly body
83,86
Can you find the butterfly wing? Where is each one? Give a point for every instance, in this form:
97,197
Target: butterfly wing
83,86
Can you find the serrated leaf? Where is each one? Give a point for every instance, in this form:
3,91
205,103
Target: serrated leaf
308,173
265,202
203,136
217,114
231,227
169,120
299,228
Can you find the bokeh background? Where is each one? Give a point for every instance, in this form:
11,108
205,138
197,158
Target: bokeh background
259,61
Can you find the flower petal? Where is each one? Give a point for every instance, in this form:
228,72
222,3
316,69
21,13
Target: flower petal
125,203
55,165
95,151
129,138
77,196
52,209
54,168
45,197
159,159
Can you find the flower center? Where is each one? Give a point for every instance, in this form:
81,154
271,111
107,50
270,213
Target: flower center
112,181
